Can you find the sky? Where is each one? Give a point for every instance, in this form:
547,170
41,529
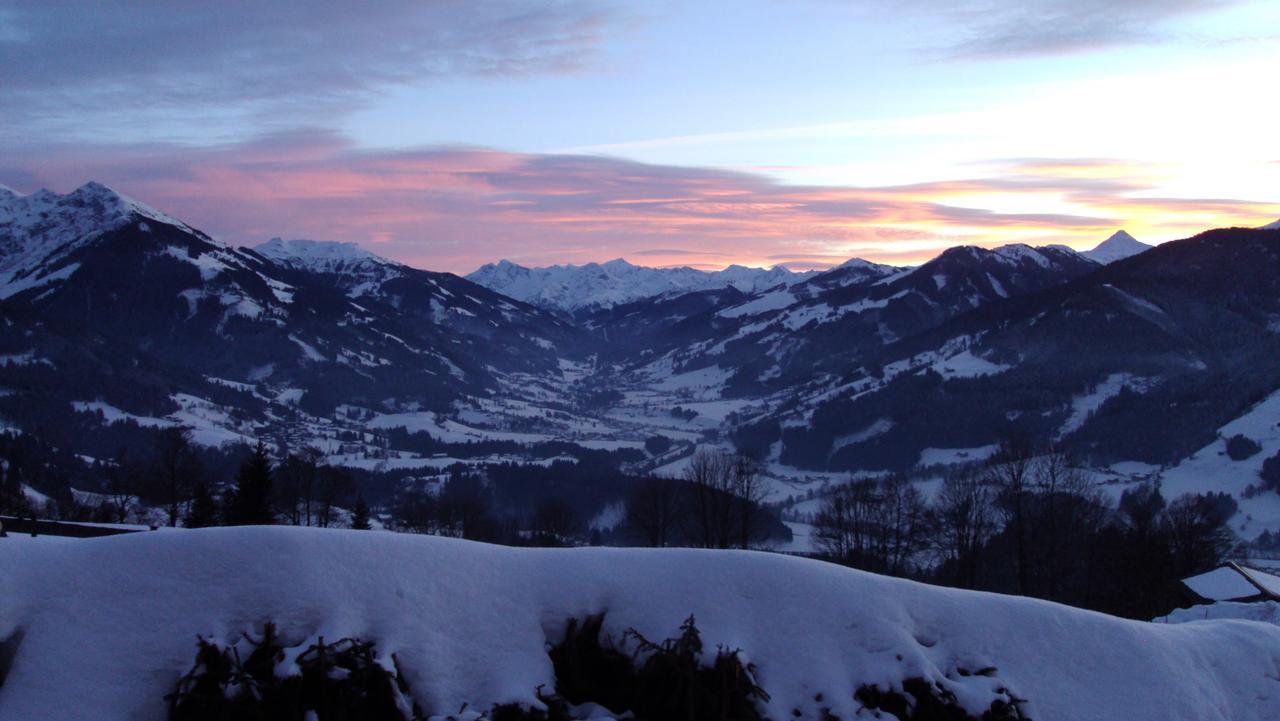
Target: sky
451,133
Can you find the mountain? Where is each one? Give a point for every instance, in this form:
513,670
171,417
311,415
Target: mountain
815,331
114,308
1271,226
117,320
1137,361
572,288
1119,246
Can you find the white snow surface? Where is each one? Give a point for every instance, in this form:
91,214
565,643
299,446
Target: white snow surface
1264,611
572,287
469,623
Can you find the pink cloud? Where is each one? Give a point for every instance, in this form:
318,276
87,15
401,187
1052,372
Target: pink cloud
454,208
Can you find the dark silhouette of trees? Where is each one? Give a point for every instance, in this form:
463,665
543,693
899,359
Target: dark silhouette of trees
966,520
249,503
203,511
360,515
725,495
554,521
175,470
878,525
656,510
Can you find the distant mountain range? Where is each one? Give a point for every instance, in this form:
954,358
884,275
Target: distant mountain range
117,320
602,285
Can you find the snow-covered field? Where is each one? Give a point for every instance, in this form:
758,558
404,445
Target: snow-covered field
109,625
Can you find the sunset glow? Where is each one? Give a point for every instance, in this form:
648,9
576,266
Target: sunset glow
947,142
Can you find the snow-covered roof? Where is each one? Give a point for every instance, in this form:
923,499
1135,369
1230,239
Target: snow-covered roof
1233,583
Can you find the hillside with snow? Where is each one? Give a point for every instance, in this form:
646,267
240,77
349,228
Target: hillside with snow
103,629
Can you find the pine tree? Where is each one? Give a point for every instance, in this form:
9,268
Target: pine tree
203,511
360,517
250,503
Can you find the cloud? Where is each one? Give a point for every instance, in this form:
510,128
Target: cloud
1000,29
62,63
456,207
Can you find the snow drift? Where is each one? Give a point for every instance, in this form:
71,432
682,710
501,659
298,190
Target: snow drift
107,626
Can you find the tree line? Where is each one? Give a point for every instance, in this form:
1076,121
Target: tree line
1030,523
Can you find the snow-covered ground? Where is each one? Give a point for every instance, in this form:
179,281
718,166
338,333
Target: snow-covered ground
109,625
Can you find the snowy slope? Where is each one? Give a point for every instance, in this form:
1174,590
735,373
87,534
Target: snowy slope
470,623
573,287
1119,246
39,230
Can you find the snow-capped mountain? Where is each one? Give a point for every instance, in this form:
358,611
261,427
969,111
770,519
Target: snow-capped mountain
39,231
1119,246
141,309
600,285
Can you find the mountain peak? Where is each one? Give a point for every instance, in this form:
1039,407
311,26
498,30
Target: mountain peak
320,255
1117,247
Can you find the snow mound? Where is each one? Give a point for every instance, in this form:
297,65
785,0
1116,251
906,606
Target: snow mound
107,626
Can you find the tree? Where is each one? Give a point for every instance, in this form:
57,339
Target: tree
748,490
335,486
554,521
203,511
965,522
249,503
121,483
360,516
654,509
1010,471
843,527
175,470
1199,535
1240,447
902,524
298,484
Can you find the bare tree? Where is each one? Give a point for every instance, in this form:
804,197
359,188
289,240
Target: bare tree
176,470
711,501
965,521
844,526
748,488
902,521
655,509
1010,471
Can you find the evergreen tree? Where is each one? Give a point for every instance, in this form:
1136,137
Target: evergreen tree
360,517
249,504
203,511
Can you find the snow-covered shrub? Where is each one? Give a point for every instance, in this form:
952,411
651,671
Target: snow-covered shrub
921,700
665,680
339,681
